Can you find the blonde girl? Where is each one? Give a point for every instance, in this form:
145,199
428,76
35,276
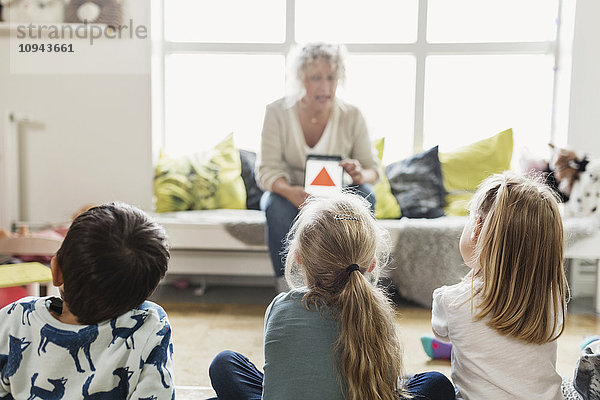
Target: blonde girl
333,335
503,319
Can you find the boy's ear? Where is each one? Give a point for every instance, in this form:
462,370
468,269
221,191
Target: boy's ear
476,229
57,276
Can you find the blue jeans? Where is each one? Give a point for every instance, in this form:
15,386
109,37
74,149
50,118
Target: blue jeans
280,214
234,377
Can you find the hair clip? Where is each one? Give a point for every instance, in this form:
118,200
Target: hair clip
345,217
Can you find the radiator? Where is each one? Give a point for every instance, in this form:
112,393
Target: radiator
13,193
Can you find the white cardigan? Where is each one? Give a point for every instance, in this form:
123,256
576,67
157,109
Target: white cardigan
283,151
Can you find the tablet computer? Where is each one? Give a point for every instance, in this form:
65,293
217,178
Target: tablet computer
323,175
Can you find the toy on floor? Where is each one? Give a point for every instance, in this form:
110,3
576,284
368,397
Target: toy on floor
586,379
587,340
436,349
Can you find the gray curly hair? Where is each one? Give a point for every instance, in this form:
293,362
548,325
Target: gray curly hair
300,56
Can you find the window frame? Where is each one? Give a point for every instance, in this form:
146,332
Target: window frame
420,49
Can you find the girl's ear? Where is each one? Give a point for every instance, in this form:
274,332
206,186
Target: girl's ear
373,265
57,276
476,229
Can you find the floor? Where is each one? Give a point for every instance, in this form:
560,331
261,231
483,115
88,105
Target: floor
231,317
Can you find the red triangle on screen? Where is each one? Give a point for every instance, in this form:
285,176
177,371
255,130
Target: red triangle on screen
323,179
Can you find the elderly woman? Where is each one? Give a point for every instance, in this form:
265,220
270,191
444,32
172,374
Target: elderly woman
312,120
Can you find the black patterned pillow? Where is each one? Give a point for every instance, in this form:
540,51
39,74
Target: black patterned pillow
253,192
417,184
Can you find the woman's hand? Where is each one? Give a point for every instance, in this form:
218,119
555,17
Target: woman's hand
295,194
358,174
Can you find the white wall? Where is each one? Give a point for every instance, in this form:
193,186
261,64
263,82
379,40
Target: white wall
584,115
95,145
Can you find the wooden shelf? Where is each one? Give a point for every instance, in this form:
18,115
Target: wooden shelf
6,27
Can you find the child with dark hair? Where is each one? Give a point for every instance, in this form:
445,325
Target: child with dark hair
102,339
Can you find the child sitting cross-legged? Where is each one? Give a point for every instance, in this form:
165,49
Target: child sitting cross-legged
102,339
503,319
333,336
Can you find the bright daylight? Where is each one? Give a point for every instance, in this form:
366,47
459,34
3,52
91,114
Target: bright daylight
299,199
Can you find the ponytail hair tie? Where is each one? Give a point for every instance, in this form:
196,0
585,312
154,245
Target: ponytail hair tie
352,267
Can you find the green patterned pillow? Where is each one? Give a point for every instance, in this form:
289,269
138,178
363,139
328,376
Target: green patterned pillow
202,181
386,206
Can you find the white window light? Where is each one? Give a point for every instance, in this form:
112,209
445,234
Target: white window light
423,73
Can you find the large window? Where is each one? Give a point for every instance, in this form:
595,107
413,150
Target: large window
423,72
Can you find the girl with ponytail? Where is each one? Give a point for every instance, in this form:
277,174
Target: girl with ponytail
503,319
333,335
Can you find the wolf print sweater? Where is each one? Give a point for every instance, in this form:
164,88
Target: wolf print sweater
129,357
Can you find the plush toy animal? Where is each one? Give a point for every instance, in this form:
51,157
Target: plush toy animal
585,193
574,177
32,10
566,165
94,11
579,180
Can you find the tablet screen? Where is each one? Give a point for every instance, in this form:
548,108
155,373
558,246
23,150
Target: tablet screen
323,175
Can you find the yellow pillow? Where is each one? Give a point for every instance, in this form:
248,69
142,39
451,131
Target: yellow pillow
466,167
202,181
386,206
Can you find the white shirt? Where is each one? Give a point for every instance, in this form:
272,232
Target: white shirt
322,145
486,364
128,357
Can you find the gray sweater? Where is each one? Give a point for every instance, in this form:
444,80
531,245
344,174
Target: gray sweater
300,362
